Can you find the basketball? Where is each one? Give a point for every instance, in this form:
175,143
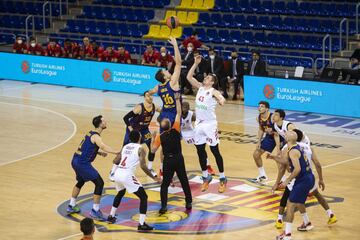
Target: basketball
172,22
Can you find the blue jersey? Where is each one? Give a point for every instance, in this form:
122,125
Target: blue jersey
304,164
167,95
143,120
87,151
266,123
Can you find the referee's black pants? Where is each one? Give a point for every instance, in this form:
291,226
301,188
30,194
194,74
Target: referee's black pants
174,164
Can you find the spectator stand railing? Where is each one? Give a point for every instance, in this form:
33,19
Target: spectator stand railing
326,37
346,21
27,27
357,17
47,3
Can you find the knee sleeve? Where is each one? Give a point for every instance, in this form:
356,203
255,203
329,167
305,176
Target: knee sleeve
99,185
219,160
284,197
80,184
202,156
141,194
118,197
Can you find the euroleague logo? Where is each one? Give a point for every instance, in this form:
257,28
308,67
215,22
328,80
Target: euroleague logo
106,75
243,205
25,67
269,91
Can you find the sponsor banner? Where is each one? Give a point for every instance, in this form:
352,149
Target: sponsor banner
305,96
78,73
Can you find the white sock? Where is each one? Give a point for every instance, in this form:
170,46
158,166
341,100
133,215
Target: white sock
72,202
283,178
280,217
222,175
150,165
114,167
113,211
329,212
96,206
161,166
207,162
262,171
142,219
205,174
288,227
305,218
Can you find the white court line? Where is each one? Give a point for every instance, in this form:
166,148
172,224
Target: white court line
49,149
327,166
242,120
76,234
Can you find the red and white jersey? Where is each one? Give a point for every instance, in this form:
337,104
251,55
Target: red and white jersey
205,105
186,123
130,156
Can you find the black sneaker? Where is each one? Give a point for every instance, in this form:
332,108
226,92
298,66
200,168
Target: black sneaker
188,206
145,227
163,210
259,179
111,219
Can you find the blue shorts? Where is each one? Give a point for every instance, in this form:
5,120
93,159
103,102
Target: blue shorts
302,188
268,143
84,171
145,136
171,115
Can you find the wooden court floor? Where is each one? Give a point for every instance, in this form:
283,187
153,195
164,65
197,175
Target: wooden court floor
43,125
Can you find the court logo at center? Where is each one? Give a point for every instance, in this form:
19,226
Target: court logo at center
107,75
243,205
25,67
269,91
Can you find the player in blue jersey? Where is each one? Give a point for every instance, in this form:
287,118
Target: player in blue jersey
266,141
139,119
81,163
169,85
300,169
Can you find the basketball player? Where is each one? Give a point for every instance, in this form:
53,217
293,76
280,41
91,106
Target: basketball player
309,155
81,163
206,124
187,129
265,143
170,142
131,155
169,85
139,119
304,181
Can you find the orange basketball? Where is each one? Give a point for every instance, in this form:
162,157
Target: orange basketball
172,22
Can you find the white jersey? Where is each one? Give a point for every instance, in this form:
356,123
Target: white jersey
186,123
130,156
284,128
205,105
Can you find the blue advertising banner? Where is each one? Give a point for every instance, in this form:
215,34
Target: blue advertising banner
305,96
77,73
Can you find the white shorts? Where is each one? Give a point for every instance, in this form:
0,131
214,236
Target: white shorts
206,132
188,136
125,179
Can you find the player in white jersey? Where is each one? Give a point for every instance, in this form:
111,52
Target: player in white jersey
187,129
206,131
309,155
124,168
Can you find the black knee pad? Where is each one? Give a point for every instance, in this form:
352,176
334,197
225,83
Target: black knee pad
99,185
80,184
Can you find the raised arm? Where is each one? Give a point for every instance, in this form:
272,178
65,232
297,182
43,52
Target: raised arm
98,141
219,97
178,107
190,76
153,90
177,58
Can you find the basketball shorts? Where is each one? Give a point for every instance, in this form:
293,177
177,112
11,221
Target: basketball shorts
84,171
301,189
206,132
125,179
188,136
145,136
268,143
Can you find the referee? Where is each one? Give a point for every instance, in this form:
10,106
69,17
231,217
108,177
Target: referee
170,141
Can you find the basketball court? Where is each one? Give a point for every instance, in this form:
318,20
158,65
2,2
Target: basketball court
42,126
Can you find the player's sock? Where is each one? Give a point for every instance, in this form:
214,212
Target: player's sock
280,217
150,165
113,211
142,219
283,178
205,174
262,171
72,202
161,166
96,206
288,227
207,162
222,175
305,218
329,212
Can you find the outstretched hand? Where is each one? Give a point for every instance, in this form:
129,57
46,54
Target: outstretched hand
172,41
198,59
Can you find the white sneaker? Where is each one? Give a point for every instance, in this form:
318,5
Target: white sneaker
153,172
305,228
259,179
112,176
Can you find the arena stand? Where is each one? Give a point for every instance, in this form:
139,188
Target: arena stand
288,33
